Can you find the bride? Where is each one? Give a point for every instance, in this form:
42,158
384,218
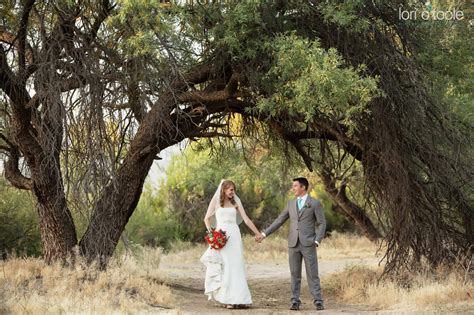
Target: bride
225,280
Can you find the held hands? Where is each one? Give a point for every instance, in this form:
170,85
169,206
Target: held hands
259,237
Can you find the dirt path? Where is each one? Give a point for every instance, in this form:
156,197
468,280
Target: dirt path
269,284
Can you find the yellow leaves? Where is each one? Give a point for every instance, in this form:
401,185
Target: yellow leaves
235,124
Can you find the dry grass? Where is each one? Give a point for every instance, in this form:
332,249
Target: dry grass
29,286
361,285
357,284
338,246
133,283
275,249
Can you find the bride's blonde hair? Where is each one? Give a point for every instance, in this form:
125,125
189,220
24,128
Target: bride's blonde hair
226,184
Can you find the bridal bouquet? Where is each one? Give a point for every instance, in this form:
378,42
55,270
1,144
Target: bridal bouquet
216,238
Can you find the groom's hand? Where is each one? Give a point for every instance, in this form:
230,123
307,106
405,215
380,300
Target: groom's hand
259,237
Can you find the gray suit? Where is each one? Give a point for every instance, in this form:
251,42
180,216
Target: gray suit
301,243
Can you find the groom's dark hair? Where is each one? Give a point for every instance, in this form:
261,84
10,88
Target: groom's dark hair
303,181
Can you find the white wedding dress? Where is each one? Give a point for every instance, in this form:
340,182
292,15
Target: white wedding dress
225,280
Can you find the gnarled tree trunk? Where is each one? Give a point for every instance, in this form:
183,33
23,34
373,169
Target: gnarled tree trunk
58,233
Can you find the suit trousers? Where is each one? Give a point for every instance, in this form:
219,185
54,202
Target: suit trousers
295,256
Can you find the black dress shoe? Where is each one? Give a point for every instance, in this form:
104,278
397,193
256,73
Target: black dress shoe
294,306
319,306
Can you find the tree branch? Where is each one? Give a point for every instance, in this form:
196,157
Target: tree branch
7,141
13,174
351,210
209,135
133,90
217,96
104,12
199,74
9,38
116,106
11,86
22,35
19,97
324,132
295,141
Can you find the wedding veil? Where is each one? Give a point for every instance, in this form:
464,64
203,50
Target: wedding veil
215,204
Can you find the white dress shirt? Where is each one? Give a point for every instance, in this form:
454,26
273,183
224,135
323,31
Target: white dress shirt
304,197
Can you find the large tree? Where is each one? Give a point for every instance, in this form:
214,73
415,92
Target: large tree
94,91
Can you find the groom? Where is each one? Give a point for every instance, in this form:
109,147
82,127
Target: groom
305,214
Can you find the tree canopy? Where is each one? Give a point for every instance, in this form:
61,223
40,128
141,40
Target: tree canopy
93,91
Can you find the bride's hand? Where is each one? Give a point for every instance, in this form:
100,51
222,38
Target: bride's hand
258,237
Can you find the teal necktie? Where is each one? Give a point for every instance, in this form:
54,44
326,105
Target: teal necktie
300,204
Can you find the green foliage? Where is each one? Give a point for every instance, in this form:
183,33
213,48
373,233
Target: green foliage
142,21
150,224
345,14
176,210
150,29
193,178
308,80
446,57
19,230
238,30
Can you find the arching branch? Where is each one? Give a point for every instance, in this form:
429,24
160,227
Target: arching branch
216,96
12,171
347,207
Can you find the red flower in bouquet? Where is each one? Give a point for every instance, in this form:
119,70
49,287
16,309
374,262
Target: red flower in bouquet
216,238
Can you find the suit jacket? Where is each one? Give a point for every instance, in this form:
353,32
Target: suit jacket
307,225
